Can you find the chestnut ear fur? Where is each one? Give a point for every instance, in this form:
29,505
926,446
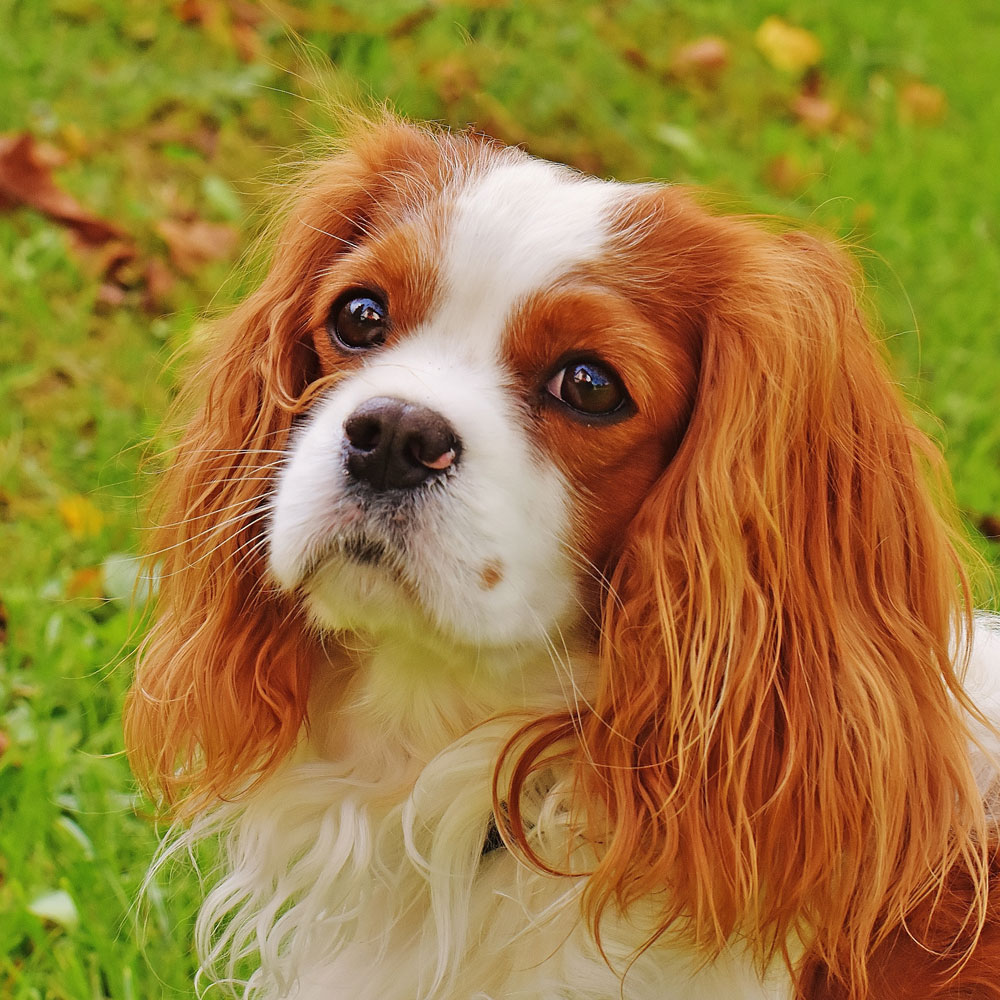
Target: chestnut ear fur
223,676
777,739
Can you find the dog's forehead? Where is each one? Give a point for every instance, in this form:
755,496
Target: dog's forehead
512,230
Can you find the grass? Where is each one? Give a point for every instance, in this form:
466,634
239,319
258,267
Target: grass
157,118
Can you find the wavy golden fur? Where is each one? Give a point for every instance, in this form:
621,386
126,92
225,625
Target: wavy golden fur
778,738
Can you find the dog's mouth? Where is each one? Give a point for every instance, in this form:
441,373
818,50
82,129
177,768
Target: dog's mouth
358,547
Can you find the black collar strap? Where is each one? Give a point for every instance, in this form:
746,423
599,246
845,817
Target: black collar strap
492,841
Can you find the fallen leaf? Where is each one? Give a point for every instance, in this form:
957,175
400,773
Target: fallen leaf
231,23
787,47
247,42
76,834
786,175
635,56
989,525
110,296
680,140
220,198
124,578
4,742
922,102
74,139
703,59
80,515
108,261
57,908
816,114
78,10
192,242
454,78
26,179
159,282
85,583
409,23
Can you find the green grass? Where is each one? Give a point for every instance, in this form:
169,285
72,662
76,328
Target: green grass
159,118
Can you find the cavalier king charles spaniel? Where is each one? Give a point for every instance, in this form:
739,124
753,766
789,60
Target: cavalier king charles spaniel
556,603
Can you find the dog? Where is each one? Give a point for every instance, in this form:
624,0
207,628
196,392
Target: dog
555,601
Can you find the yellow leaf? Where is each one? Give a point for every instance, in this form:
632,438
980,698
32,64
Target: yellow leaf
81,517
922,102
785,47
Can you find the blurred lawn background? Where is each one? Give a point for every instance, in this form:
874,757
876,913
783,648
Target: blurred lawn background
878,122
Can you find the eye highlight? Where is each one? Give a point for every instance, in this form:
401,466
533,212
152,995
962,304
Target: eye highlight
358,319
590,387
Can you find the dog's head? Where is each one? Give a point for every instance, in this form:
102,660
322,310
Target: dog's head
485,399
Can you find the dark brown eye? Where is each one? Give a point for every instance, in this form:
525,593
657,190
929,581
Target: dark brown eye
358,320
590,387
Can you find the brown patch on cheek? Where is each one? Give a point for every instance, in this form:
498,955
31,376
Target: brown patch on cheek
491,575
609,492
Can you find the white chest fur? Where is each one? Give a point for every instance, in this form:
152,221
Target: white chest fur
354,889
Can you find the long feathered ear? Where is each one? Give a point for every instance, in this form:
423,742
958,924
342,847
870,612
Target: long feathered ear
777,736
223,676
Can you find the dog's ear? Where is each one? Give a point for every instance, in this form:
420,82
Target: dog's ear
223,676
777,737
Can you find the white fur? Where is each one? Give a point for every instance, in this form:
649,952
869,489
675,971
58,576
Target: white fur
382,895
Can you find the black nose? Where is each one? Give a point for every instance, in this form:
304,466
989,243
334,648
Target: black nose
395,445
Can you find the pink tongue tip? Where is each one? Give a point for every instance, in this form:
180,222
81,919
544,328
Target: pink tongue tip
442,461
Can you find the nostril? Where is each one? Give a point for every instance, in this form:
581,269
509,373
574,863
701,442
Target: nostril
364,431
433,448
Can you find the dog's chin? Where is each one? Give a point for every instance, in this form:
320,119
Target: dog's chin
358,584
363,584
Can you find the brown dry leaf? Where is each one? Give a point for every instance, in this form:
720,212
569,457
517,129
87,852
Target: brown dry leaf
4,742
454,79
703,59
409,23
192,242
109,260
787,47
231,23
159,281
26,179
110,296
989,525
786,175
87,583
815,113
80,515
922,102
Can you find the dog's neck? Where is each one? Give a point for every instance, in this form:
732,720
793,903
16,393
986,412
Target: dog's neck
408,695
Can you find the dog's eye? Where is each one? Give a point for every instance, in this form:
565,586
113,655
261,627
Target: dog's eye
358,320
588,386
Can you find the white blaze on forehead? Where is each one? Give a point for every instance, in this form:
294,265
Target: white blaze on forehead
512,231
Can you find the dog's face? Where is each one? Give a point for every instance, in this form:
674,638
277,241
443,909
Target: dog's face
506,392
